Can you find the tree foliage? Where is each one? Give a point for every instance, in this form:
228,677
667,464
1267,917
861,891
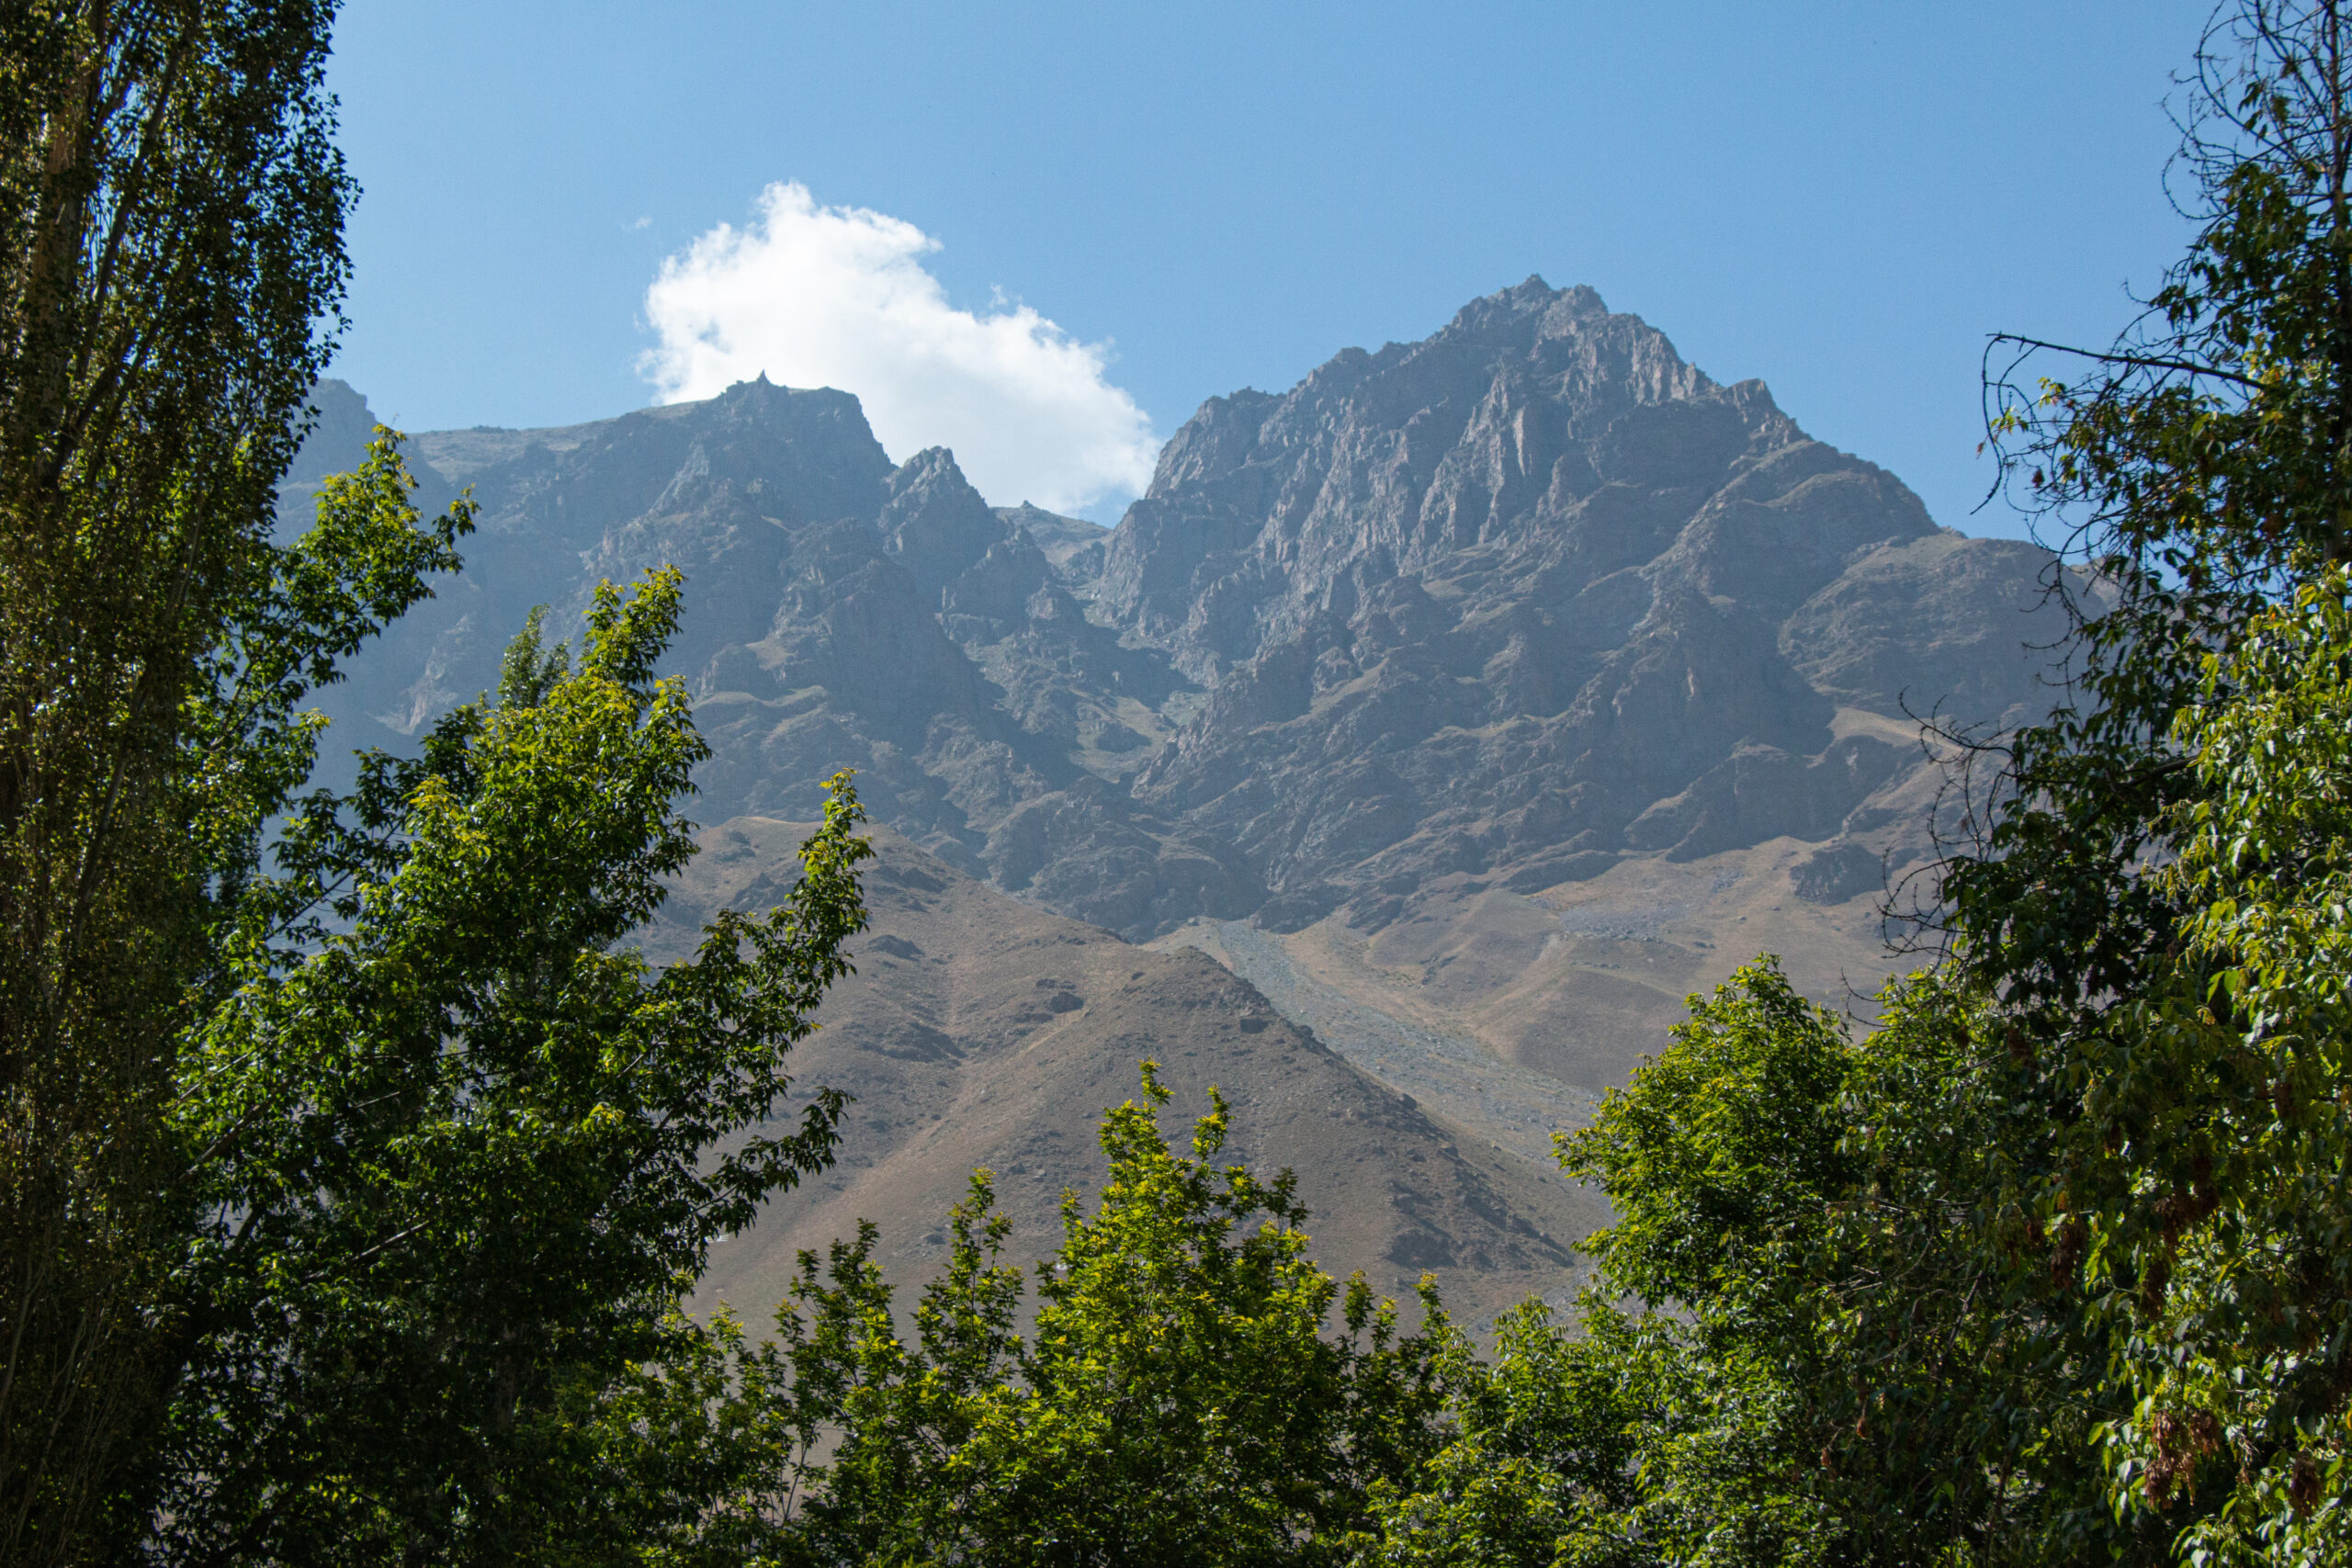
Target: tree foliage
171,210
1805,1345
2210,1155
1826,1329
1177,1401
2158,840
466,1150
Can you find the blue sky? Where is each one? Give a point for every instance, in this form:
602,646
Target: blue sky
1842,199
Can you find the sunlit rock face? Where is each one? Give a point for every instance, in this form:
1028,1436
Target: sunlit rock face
1517,603
1533,594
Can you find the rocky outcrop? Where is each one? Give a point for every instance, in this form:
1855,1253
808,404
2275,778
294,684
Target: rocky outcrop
1520,601
1534,595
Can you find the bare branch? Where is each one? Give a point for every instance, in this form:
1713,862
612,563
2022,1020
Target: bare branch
2137,361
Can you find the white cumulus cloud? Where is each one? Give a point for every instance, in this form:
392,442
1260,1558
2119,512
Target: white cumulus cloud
838,297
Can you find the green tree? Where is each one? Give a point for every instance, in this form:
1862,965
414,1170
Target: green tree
171,210
1668,1423
1179,1401
461,1148
2149,903
2208,1161
1960,1368
1709,1403
1558,1448
1721,1159
1826,1330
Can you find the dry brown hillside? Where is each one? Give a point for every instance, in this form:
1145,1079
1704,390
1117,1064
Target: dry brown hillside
979,1031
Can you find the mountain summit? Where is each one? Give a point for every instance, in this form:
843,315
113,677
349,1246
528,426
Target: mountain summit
1471,703
1533,594
1516,606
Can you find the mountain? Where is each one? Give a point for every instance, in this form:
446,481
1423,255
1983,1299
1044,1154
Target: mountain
1472,701
1520,601
981,1032
1534,597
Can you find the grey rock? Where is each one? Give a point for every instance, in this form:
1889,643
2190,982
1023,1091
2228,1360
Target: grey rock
1518,600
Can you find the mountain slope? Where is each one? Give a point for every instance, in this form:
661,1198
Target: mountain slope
1479,697
979,1031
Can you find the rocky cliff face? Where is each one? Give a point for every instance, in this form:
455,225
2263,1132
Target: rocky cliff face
1519,603
1533,596
1470,703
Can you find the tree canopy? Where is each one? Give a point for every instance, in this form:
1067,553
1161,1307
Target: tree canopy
1195,1390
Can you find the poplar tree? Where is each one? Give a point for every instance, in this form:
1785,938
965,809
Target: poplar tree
171,255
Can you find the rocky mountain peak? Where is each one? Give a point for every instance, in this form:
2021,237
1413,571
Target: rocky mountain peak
1535,414
341,423
1217,439
1519,600
1555,313
933,522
